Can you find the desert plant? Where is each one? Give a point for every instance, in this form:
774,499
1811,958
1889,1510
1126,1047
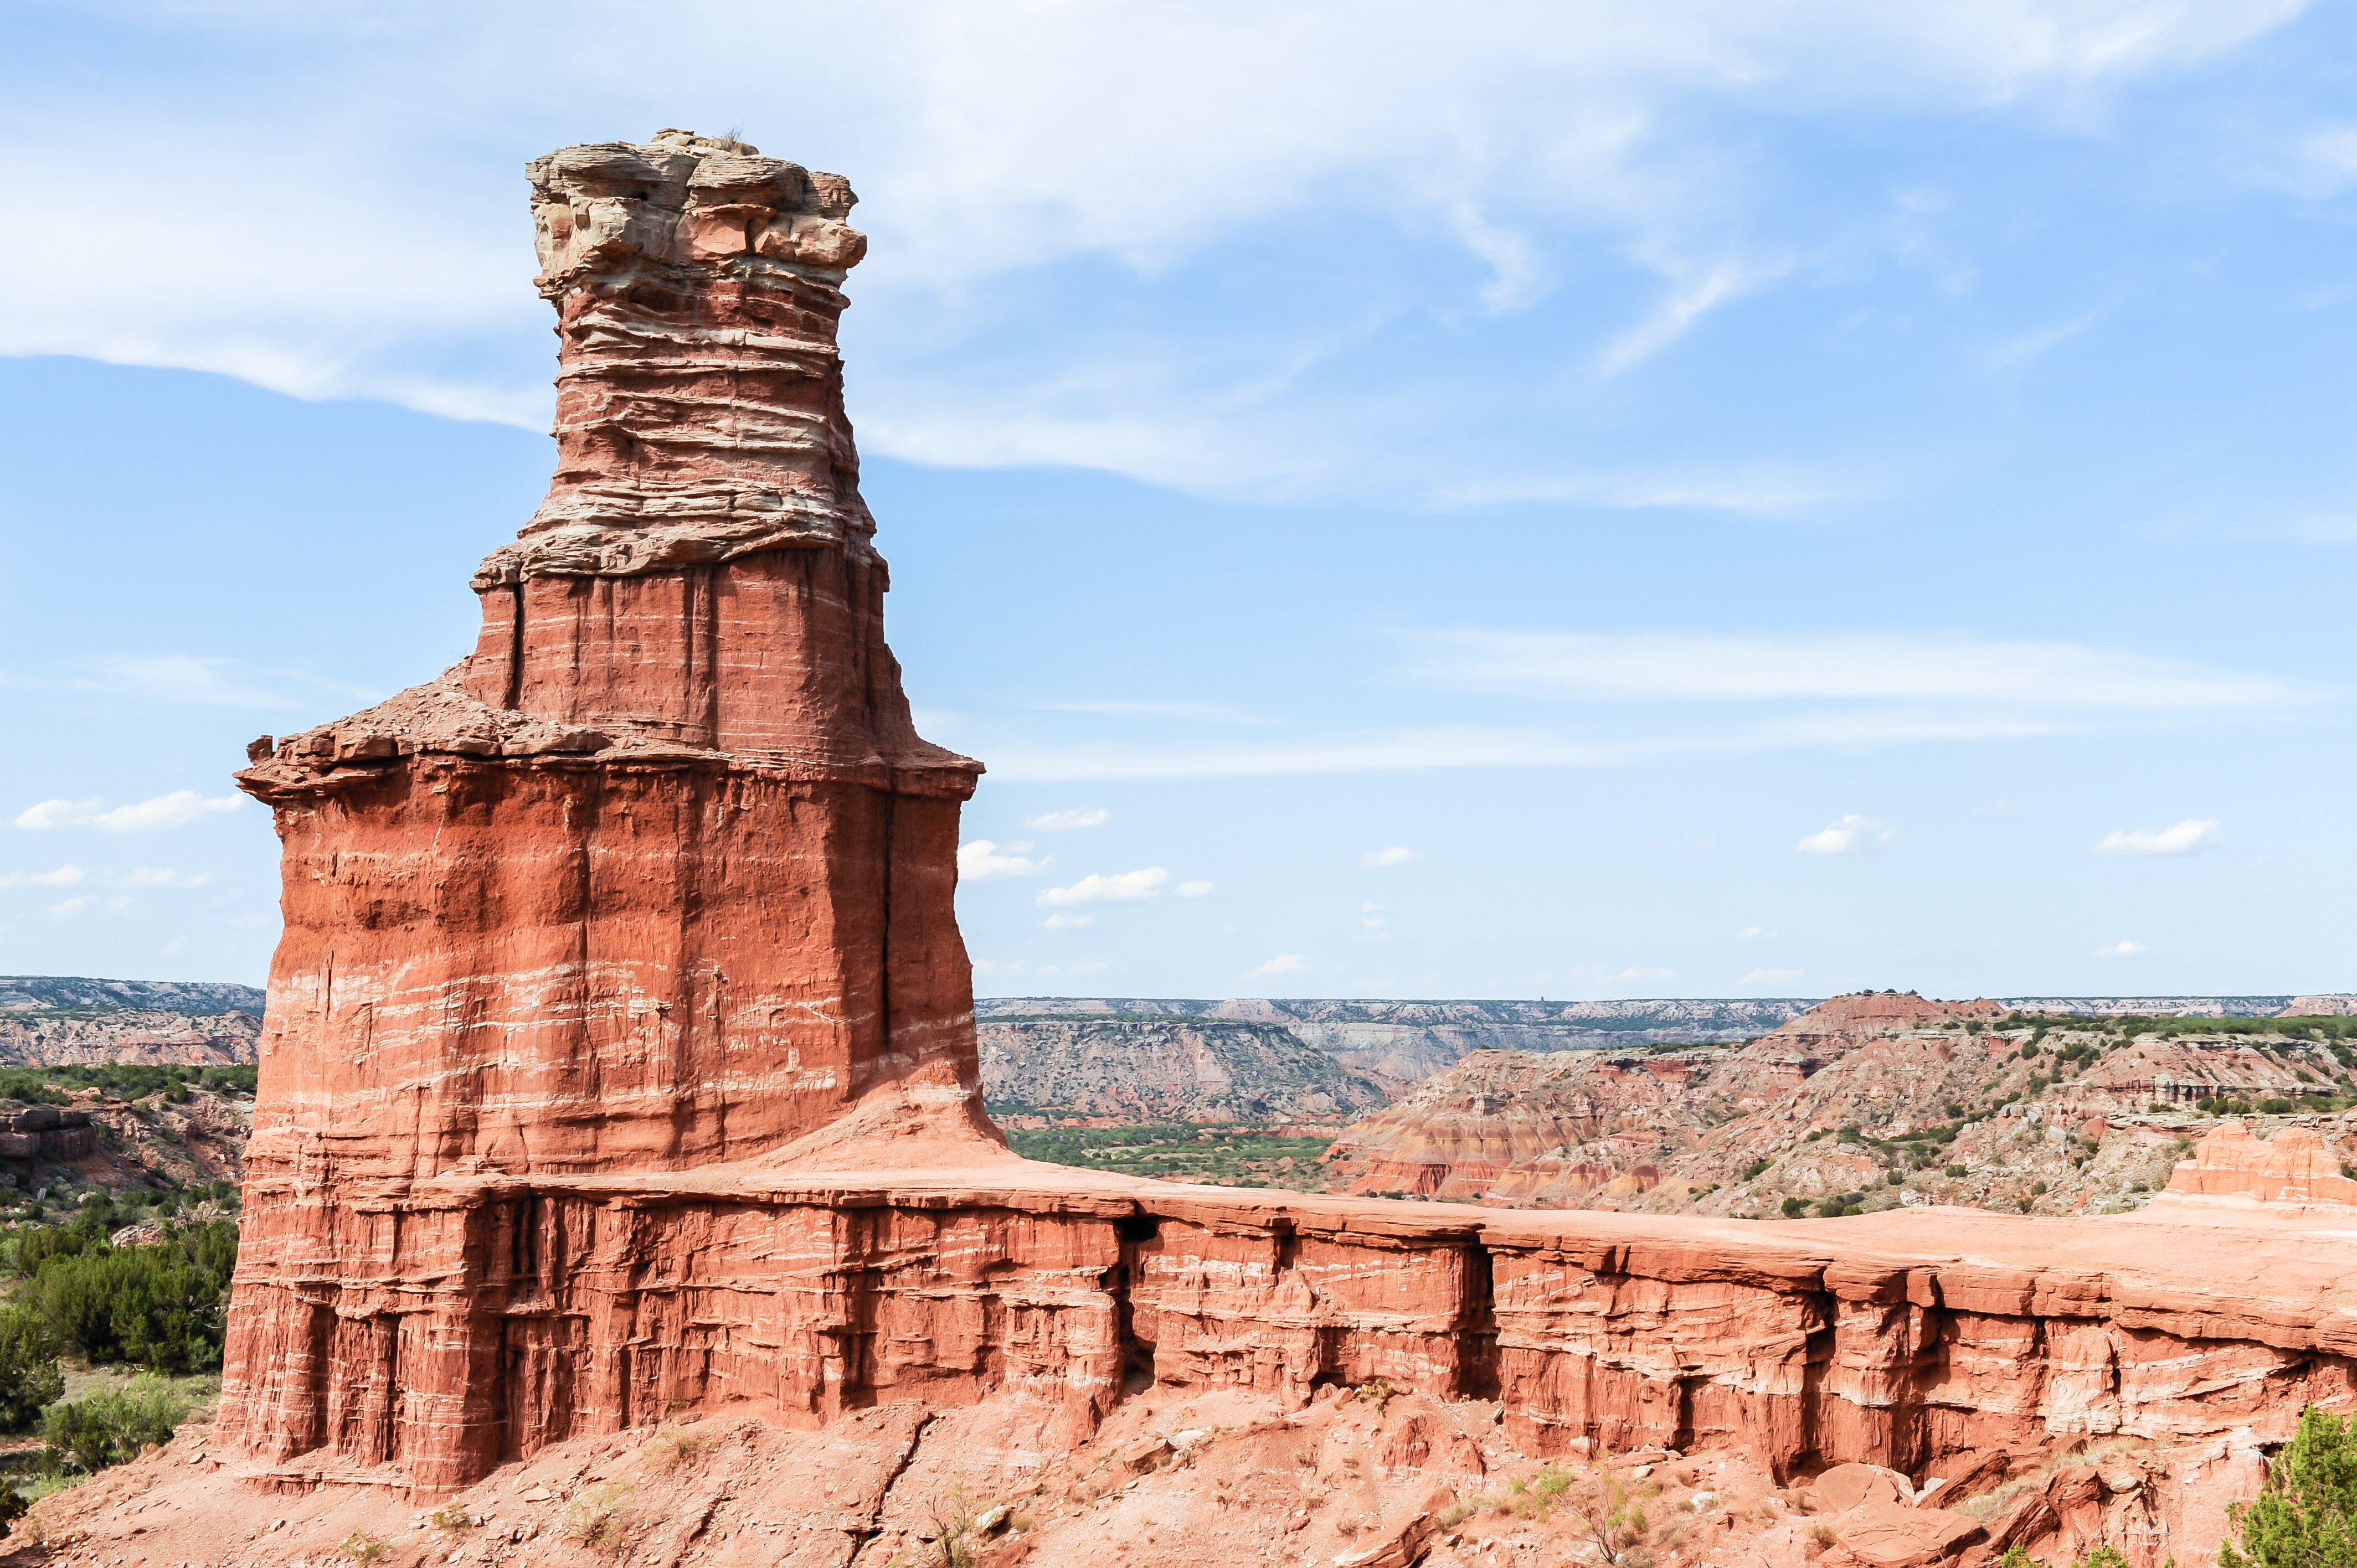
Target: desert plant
595,1518
363,1549
453,1520
668,1448
2307,1516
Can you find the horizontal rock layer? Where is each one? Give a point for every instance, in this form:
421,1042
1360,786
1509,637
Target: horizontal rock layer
448,1334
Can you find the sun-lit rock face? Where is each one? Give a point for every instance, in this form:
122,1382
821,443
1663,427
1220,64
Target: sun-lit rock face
620,1065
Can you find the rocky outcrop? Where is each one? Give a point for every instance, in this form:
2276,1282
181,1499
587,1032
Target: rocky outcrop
619,1067
2294,1167
45,1133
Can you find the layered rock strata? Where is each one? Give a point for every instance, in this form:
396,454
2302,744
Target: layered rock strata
620,1057
661,875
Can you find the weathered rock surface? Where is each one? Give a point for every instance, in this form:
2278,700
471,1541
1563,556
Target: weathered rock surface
58,1020
2294,1166
619,1067
1958,1105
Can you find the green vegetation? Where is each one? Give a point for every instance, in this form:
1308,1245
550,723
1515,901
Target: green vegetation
113,1425
1247,1156
121,1081
2307,1516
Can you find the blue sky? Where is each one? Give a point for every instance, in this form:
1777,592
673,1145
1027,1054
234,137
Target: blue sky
1574,500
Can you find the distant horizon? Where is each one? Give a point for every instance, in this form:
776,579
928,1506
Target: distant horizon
1809,998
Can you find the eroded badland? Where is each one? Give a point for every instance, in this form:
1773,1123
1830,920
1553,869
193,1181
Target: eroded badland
620,1190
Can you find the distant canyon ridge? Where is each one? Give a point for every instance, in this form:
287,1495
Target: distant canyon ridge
1117,1060
1264,1061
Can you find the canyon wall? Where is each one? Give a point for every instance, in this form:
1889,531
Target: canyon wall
620,1057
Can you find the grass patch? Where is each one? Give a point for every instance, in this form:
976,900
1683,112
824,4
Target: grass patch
1252,1156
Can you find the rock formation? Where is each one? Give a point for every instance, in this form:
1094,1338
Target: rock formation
620,1068
2292,1167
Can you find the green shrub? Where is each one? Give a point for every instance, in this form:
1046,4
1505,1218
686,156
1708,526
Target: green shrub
113,1425
2307,1516
158,1306
29,1377
1954,1171
1794,1209
1754,1169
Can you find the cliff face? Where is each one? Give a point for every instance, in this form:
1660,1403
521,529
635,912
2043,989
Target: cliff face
619,1063
661,875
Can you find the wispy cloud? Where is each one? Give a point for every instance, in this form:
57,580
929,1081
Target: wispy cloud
1282,963
1765,493
1656,667
1397,855
1689,300
983,861
2020,352
1194,889
176,810
2183,838
1849,834
2124,948
63,876
1140,883
1077,817
1061,922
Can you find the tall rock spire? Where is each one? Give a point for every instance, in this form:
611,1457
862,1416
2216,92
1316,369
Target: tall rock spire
663,874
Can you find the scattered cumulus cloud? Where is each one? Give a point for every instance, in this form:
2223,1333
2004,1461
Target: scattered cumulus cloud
2124,948
1398,855
2184,838
1754,934
1078,817
176,810
1069,922
1851,835
1282,963
982,861
1772,977
1194,889
63,876
1140,883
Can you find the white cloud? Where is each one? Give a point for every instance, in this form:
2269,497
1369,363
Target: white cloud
1754,934
1194,889
1398,855
1691,299
70,908
1850,835
2186,836
1633,972
164,876
63,876
982,861
1772,977
1069,922
176,810
2016,353
2121,948
1089,889
989,139
1078,817
1282,963
1662,667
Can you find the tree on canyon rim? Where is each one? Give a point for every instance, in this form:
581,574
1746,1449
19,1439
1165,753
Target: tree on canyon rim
2307,1516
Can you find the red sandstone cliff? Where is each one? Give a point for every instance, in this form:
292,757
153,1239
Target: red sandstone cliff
619,1066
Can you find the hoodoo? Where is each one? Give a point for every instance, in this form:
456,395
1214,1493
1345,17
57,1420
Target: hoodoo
619,1067
660,877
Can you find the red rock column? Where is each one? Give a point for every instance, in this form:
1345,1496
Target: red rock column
661,878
